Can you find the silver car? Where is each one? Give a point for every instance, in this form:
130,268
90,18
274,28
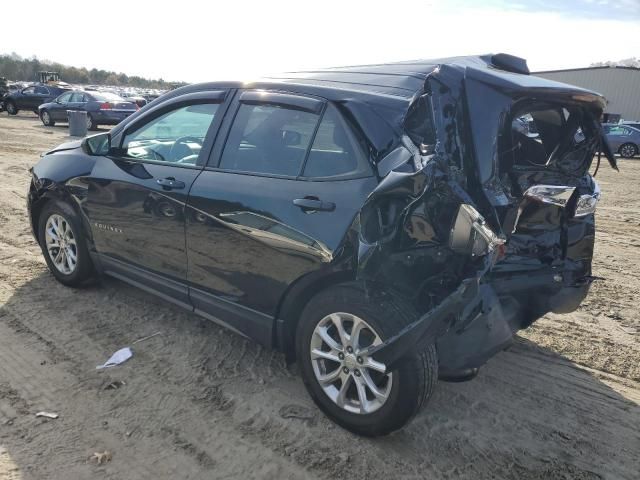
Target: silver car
623,139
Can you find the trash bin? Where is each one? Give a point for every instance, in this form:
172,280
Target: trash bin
77,123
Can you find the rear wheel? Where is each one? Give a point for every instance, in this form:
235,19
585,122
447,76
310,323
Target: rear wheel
11,108
91,123
45,116
63,244
628,150
336,330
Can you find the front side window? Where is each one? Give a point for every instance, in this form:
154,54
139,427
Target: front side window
174,137
619,131
268,139
336,150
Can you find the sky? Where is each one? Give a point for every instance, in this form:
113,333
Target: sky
200,40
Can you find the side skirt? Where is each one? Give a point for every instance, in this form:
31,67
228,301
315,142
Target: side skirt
242,320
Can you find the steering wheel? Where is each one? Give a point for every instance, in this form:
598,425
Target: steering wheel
183,141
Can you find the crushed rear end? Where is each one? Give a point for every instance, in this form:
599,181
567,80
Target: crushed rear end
492,226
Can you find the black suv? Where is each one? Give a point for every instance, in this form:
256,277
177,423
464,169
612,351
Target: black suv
31,97
382,225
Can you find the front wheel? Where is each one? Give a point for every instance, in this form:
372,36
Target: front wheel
63,244
337,328
628,150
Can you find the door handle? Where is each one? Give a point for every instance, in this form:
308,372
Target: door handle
314,204
170,183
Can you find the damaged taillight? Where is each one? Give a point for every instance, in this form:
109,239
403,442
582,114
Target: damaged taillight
587,204
470,234
557,195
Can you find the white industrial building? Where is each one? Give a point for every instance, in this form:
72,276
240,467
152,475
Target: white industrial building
620,86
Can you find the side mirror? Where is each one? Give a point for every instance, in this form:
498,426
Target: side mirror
97,145
291,138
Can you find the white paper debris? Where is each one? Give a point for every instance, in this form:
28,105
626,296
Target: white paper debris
47,414
117,358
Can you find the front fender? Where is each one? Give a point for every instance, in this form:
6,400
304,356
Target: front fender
60,176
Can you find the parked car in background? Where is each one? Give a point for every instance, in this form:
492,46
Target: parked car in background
150,97
102,108
134,97
4,90
383,225
623,139
31,97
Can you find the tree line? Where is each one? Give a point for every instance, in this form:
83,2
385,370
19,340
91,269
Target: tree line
627,62
15,67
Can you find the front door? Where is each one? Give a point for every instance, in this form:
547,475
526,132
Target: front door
60,106
28,100
285,190
137,197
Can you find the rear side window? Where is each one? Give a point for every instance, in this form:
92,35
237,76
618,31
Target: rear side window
336,150
42,90
77,97
106,97
268,139
419,122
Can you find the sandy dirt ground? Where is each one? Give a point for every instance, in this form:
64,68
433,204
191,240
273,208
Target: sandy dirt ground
201,402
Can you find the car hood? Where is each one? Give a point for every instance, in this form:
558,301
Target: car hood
65,146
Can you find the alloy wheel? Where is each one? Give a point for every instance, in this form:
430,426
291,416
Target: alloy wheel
61,244
11,108
341,364
628,151
45,118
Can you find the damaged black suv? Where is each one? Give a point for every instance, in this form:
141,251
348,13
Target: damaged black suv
382,225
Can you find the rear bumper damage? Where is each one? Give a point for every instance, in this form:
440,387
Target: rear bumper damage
481,316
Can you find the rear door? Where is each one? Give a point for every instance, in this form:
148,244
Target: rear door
78,101
284,184
137,194
42,95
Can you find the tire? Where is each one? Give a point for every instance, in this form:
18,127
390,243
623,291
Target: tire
91,123
66,219
11,108
47,121
409,386
628,150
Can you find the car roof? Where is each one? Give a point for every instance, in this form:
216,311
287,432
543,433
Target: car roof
402,80
389,89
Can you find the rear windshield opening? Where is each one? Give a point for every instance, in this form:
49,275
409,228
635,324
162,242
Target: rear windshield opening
549,136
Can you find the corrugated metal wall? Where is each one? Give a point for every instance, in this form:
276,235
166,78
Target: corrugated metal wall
621,87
